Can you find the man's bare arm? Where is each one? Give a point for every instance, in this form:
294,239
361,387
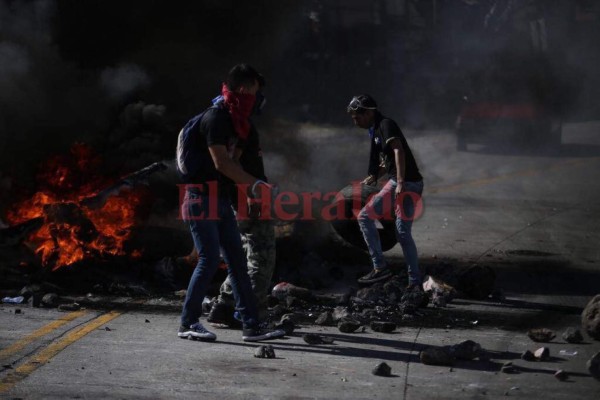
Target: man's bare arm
228,167
400,161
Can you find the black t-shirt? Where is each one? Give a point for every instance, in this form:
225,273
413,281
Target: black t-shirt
251,159
384,131
215,128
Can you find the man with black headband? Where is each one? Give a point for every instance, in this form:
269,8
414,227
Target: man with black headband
205,159
391,155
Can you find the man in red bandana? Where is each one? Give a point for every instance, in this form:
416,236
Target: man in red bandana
258,234
205,160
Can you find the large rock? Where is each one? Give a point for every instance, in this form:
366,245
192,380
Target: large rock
466,350
382,369
590,318
383,326
348,325
264,352
436,356
441,292
542,354
541,335
340,313
572,335
326,318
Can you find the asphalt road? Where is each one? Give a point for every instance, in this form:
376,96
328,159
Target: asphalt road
530,216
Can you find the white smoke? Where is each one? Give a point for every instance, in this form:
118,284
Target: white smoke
123,80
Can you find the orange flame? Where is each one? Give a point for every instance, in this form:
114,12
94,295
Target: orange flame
67,181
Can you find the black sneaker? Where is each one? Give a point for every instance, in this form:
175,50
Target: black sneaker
196,332
376,275
221,314
258,334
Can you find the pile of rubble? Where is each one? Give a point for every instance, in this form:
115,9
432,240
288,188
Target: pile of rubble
379,306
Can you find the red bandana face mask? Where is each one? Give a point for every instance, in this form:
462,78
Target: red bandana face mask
240,107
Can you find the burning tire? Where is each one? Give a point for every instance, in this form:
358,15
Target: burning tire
348,227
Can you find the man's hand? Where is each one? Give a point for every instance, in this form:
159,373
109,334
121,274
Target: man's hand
399,188
253,209
370,180
261,189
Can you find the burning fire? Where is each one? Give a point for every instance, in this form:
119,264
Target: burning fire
72,232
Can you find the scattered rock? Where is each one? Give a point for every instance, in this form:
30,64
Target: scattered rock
436,356
340,313
593,366
467,350
313,338
180,293
264,352
438,300
441,292
326,318
18,311
561,375
147,321
541,335
373,293
69,307
542,354
572,335
293,317
287,325
382,369
413,299
348,325
327,340
393,290
508,368
527,356
383,326
590,318
50,300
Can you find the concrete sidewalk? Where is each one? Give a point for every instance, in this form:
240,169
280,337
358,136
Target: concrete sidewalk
136,354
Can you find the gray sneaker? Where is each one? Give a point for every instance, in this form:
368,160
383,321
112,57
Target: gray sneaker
196,332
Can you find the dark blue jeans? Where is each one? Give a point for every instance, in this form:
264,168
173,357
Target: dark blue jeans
215,231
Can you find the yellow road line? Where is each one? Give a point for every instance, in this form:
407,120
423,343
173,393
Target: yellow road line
486,181
44,330
46,354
